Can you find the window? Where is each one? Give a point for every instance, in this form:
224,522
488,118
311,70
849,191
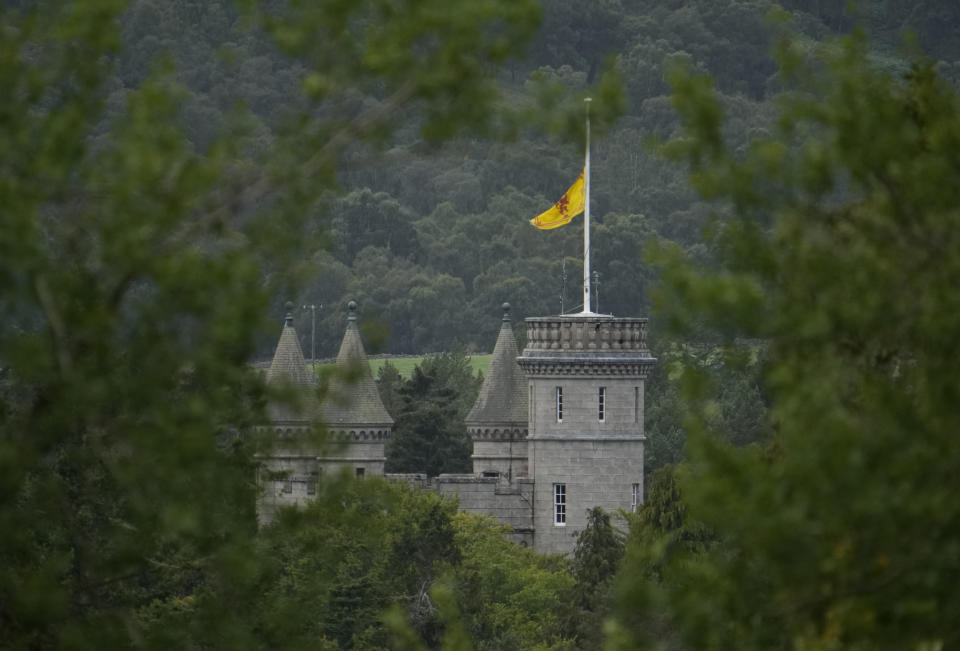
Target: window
530,407
311,485
636,404
560,505
634,497
359,472
287,486
559,404
601,403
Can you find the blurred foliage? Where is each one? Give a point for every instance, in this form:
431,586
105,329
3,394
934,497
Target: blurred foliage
842,531
144,226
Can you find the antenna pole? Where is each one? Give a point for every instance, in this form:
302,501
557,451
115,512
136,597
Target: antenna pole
586,218
563,281
313,334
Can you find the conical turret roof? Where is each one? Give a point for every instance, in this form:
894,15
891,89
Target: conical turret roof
503,396
354,398
289,368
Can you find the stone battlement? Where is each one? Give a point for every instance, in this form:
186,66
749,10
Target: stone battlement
587,333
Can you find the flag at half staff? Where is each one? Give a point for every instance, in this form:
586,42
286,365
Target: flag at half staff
570,205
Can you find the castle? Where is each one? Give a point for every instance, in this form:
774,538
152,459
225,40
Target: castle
557,428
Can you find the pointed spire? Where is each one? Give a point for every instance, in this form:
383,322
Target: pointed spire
289,367
354,399
288,360
503,396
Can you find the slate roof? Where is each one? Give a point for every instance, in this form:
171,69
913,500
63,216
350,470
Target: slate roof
503,396
289,368
354,398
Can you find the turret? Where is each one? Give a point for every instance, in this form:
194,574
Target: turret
498,421
353,411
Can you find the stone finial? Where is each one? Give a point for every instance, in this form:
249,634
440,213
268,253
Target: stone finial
506,312
352,309
288,319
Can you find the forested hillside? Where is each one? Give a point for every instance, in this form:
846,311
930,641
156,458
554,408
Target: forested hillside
430,240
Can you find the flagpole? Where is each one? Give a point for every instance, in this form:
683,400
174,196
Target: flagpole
586,219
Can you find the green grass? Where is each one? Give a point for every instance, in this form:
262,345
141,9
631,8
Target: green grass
405,364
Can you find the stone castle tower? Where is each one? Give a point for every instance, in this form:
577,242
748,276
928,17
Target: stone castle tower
585,377
498,421
358,425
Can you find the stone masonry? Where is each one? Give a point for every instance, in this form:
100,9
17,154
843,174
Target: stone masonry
585,378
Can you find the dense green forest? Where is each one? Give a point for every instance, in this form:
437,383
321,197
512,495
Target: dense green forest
774,185
430,238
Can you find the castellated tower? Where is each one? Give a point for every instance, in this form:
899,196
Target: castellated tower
357,421
353,411
498,421
585,381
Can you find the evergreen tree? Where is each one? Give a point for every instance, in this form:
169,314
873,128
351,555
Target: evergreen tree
843,533
132,285
596,557
429,434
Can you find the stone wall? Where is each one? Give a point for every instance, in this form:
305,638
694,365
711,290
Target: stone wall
286,478
355,455
593,472
509,502
506,457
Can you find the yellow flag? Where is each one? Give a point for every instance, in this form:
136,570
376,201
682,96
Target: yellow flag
570,205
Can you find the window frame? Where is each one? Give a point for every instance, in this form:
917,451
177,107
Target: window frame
559,505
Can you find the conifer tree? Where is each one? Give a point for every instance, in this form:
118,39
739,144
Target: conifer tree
844,532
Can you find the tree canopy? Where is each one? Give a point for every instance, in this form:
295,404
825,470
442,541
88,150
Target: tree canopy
841,532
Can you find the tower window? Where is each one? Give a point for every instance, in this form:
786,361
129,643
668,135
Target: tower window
559,404
560,505
634,497
601,403
530,406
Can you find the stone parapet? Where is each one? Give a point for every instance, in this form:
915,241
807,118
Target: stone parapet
593,345
498,431
587,333
359,433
